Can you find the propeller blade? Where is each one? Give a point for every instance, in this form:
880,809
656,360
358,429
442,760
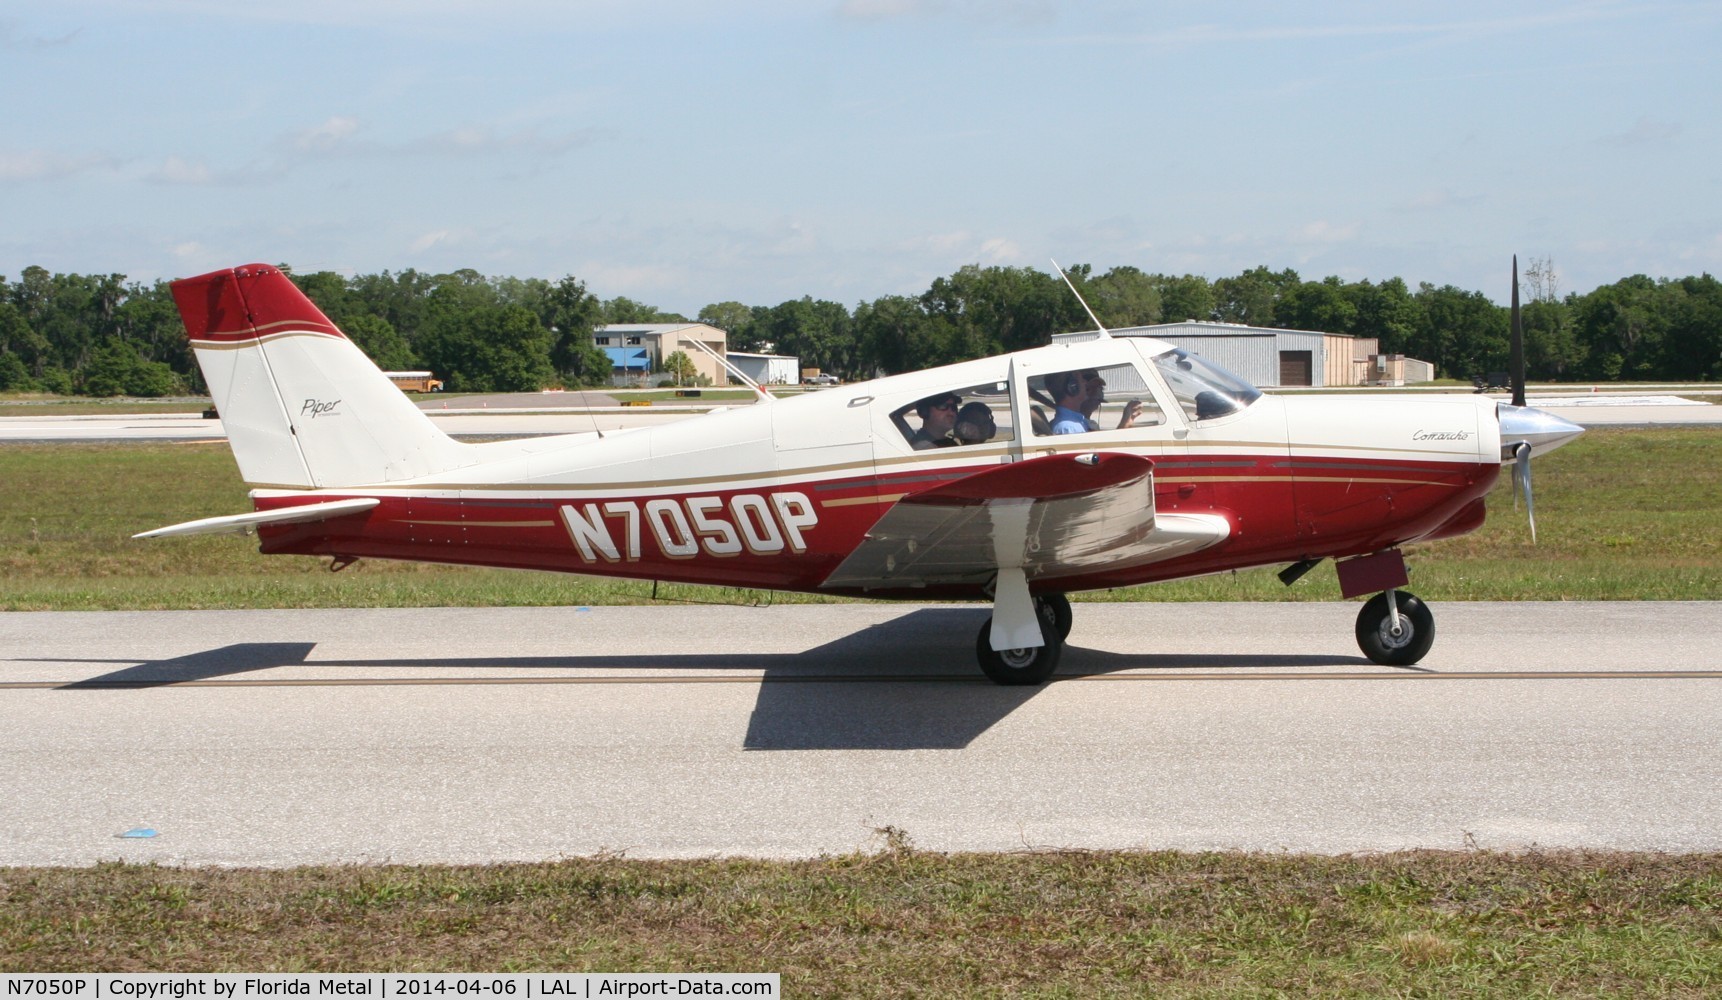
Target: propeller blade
1517,365
1522,478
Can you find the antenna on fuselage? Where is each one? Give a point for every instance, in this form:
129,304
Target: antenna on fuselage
1097,324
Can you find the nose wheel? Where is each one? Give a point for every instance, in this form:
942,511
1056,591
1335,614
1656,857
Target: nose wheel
1395,628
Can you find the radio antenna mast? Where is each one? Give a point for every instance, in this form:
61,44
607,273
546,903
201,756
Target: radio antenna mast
1097,324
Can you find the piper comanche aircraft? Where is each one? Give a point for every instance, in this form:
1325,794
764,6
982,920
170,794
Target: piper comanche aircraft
1018,479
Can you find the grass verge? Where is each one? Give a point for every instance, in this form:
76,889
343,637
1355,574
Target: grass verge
1622,514
907,923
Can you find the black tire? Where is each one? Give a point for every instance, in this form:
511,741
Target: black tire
1055,614
1016,667
1375,636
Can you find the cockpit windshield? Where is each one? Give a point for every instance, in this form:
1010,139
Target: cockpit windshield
1204,389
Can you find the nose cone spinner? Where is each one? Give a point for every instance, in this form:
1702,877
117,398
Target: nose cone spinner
1542,430
1527,432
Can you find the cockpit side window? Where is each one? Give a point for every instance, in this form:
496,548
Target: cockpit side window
1115,397
962,416
1205,391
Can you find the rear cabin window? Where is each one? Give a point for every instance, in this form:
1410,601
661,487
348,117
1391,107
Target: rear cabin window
955,418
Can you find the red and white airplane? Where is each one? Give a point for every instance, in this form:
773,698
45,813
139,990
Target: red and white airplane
1016,480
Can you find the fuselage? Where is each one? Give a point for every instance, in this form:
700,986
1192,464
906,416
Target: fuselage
779,495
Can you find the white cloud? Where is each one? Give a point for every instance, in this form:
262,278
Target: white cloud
176,170
330,135
45,165
429,240
881,10
1322,231
1647,131
1438,199
793,239
946,242
13,39
469,139
999,250
1242,31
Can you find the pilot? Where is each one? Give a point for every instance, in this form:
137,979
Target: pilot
975,423
938,420
1095,387
1069,393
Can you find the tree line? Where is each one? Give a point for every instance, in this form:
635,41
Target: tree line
100,335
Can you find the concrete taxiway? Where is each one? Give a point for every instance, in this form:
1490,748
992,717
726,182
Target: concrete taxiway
489,734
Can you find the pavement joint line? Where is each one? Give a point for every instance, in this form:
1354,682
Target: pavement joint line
755,678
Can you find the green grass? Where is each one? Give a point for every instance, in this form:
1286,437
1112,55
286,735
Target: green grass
907,923
668,396
1622,514
81,406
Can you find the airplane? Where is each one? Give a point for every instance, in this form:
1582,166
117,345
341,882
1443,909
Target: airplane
1015,480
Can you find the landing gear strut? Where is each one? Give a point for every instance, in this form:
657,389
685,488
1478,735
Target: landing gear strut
1395,628
1030,665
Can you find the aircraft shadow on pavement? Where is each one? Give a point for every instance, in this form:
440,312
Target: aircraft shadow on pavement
208,664
908,683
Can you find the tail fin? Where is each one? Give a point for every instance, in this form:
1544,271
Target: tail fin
302,405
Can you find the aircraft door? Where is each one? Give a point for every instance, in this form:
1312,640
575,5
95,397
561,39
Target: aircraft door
1106,404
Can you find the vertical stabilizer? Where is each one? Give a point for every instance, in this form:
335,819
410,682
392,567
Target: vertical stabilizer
302,405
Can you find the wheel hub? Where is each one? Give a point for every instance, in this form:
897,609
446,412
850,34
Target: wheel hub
1397,639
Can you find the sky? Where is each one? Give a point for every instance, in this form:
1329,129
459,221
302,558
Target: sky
686,152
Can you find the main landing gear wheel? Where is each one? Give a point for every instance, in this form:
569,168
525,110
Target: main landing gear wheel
1379,640
1018,666
1055,614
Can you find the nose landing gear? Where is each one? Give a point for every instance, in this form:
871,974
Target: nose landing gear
1395,628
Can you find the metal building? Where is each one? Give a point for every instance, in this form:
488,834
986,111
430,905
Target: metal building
768,369
1266,356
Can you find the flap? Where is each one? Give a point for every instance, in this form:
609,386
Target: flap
1084,513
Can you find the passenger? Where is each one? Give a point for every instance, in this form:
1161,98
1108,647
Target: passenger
975,423
938,419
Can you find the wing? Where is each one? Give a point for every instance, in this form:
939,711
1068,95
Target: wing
1055,516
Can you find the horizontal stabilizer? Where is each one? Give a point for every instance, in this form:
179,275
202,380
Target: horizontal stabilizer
239,524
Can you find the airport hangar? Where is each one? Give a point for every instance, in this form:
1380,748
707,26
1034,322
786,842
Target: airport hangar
1284,358
1263,356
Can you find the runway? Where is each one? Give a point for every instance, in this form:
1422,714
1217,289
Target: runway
274,738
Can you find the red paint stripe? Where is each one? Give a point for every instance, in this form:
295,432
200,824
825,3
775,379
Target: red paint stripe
246,303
